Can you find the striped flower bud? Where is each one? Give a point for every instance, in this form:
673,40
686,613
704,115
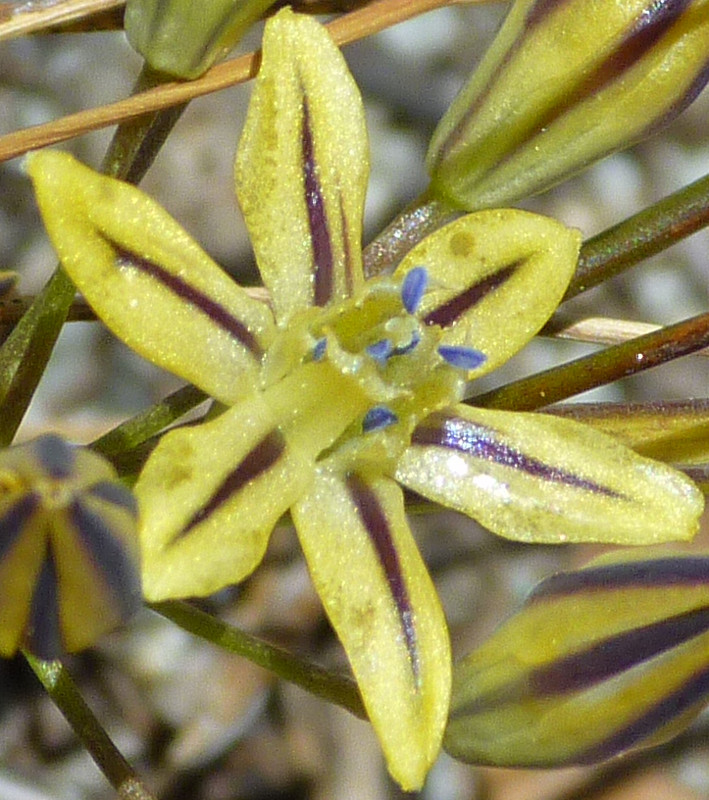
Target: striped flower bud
68,549
599,661
567,82
183,38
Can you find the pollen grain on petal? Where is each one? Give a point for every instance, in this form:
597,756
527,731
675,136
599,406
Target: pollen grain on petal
319,350
381,350
462,357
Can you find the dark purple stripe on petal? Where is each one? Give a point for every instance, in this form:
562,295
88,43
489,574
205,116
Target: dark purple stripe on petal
317,219
616,654
55,456
647,31
216,312
349,255
449,312
674,110
687,697
377,526
116,494
650,27
13,521
691,694
454,433
257,461
535,16
43,636
656,574
108,554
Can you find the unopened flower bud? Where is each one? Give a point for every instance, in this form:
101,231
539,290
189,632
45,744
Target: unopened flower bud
599,661
564,84
184,38
69,564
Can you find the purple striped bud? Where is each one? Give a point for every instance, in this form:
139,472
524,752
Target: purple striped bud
566,82
183,38
69,566
599,661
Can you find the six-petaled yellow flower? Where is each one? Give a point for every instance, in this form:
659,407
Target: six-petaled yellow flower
340,389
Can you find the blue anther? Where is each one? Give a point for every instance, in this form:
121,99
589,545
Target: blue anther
462,357
319,349
407,348
378,417
413,288
380,350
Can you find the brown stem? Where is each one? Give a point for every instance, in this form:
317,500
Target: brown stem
601,368
644,234
406,230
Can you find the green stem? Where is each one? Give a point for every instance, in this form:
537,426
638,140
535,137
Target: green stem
26,351
137,142
641,236
61,688
334,688
142,426
407,229
598,369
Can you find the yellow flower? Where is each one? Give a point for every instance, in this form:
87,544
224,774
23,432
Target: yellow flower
341,389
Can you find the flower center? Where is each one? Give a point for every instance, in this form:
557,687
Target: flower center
378,341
